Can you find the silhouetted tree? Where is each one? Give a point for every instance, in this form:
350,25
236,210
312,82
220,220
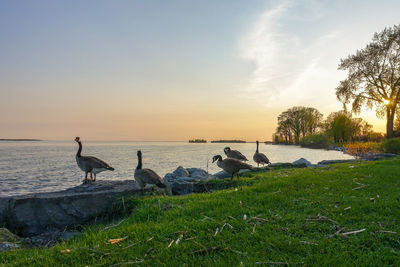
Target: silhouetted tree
374,76
342,127
298,122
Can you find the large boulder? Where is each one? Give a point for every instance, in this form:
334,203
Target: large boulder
185,181
34,214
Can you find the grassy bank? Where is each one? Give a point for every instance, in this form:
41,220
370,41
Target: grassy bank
293,216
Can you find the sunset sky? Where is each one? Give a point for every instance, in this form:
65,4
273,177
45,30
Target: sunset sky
175,70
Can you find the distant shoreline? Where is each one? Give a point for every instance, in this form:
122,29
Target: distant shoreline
20,140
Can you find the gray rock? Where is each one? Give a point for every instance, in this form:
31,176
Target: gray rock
198,173
185,181
6,246
222,175
302,162
281,165
377,156
34,214
182,172
328,162
8,240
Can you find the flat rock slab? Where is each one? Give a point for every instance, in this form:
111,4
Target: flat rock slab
34,214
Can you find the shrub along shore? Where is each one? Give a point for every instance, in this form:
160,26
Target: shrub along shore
343,214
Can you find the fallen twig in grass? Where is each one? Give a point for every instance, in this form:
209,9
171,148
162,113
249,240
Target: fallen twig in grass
347,208
114,225
387,232
308,243
254,228
260,219
151,238
353,232
206,250
336,233
322,219
126,263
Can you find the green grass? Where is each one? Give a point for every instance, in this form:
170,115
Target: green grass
286,198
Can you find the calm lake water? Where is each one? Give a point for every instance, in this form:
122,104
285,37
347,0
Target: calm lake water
30,167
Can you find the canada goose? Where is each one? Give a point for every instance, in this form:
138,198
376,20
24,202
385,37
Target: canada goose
234,154
90,164
260,158
230,165
147,176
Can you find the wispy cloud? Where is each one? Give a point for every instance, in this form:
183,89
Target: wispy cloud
288,59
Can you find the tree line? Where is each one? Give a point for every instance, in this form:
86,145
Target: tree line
299,122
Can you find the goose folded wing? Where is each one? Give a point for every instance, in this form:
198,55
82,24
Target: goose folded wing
98,163
151,176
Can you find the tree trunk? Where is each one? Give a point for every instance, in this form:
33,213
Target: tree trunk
389,122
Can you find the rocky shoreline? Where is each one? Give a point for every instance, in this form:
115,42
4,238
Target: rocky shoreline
43,219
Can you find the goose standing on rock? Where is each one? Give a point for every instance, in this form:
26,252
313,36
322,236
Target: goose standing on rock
147,176
90,164
231,165
260,158
234,154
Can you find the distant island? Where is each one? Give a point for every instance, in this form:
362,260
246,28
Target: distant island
19,140
228,141
198,141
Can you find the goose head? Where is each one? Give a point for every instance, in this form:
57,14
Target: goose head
139,153
217,157
257,142
77,139
226,149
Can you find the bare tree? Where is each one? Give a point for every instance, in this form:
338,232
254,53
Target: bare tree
374,76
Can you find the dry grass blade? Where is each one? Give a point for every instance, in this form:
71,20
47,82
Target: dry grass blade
127,263
308,243
260,219
216,232
178,240
282,263
206,250
353,232
336,233
65,251
387,232
359,187
322,219
117,240
170,243
114,225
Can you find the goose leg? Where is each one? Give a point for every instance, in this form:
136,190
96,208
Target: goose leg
94,177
